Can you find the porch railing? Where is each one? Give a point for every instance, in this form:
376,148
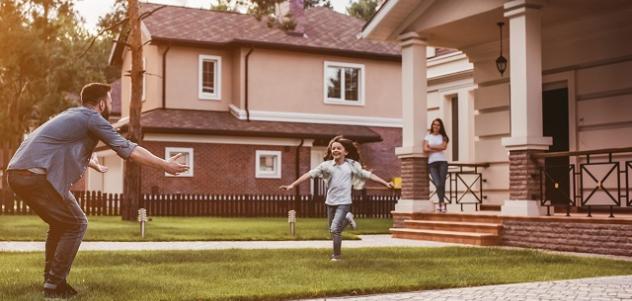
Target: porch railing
586,180
464,185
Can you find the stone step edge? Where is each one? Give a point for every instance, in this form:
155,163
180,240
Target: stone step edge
446,233
452,223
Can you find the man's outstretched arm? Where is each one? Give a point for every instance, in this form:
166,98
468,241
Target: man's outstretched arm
145,157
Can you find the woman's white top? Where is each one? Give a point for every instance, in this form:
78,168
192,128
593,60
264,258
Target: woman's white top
435,140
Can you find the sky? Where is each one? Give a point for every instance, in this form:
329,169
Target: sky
91,10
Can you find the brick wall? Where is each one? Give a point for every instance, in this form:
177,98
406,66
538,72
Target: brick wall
380,156
523,176
224,169
600,238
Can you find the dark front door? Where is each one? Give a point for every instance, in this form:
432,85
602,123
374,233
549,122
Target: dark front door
555,124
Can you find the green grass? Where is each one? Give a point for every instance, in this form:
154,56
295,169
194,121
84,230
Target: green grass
102,228
285,274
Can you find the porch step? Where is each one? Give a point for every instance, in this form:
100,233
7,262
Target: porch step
459,217
454,226
486,207
480,239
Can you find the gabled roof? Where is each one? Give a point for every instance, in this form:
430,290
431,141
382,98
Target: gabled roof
326,31
223,123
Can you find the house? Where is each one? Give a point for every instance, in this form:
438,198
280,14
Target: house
253,107
554,127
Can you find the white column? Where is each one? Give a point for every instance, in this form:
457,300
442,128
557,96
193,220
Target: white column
525,61
414,114
414,93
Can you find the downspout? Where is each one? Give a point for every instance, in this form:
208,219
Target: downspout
298,173
246,86
164,78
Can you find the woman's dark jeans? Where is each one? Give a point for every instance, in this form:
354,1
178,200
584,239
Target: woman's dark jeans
438,173
66,221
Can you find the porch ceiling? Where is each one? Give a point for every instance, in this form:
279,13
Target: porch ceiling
461,24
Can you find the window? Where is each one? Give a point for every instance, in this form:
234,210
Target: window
268,164
344,83
210,67
186,159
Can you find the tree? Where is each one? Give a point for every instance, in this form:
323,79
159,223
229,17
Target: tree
132,183
363,9
40,41
317,3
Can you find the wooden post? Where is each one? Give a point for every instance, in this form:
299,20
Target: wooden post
132,179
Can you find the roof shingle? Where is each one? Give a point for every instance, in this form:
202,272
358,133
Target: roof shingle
223,123
324,29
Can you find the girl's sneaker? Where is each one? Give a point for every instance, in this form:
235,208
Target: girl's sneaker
351,221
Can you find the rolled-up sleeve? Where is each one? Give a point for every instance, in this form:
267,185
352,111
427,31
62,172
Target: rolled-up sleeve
362,173
317,171
104,131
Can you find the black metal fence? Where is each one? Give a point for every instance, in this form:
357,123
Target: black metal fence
242,205
588,180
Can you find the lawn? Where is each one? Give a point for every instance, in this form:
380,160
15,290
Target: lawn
109,228
287,274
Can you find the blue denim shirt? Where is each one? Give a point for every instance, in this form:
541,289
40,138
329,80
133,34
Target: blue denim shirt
63,146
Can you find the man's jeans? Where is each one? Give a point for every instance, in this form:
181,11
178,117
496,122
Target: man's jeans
337,222
66,221
438,173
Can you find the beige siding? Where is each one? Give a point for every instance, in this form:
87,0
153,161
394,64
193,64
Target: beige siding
282,81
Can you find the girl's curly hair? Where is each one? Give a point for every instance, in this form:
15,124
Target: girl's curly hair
350,146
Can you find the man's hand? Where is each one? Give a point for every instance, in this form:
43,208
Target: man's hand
390,185
286,187
101,168
173,167
94,164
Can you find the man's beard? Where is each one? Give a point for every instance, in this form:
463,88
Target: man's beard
106,113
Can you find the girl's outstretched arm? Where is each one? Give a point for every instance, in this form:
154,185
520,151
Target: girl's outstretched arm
379,180
303,178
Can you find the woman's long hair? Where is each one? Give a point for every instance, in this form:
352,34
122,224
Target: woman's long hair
350,146
441,130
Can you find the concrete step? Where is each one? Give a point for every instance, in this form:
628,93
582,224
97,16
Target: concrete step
455,226
479,239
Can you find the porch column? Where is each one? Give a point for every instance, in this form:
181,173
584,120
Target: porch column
525,63
414,162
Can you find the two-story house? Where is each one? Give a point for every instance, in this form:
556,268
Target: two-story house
253,106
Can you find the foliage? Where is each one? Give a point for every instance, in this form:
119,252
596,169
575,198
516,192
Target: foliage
39,66
363,9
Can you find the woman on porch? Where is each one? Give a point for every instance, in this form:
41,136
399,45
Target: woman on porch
435,143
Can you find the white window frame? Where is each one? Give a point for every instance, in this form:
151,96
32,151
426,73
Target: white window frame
218,77
342,100
276,174
189,150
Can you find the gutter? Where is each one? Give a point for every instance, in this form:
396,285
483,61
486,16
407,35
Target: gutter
298,164
164,77
246,86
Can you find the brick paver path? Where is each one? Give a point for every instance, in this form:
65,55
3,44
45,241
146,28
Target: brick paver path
617,288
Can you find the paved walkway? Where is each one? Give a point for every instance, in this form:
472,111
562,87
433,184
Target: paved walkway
366,242
616,288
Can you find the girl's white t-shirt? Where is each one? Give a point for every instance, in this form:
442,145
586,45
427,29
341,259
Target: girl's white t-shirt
435,140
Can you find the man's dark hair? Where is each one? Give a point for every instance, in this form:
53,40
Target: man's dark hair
92,93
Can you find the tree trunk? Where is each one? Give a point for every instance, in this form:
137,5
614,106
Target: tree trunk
132,180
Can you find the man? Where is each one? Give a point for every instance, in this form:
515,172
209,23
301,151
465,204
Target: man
53,157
